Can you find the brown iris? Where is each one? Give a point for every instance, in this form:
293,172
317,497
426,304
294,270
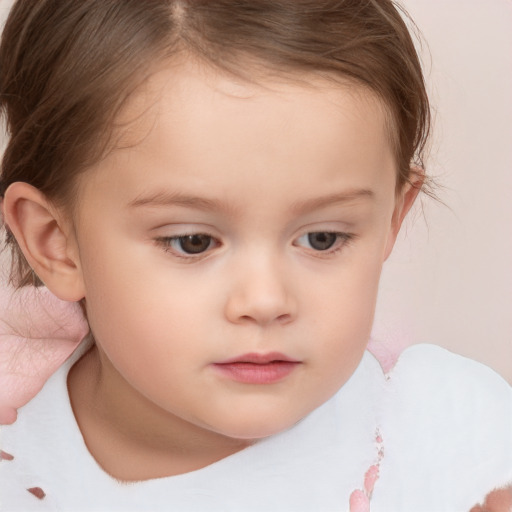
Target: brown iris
194,244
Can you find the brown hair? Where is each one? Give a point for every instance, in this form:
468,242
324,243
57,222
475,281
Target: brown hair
67,68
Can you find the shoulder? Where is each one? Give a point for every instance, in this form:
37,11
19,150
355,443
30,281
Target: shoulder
451,392
448,427
440,376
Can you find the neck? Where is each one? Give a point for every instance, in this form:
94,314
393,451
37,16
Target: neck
132,438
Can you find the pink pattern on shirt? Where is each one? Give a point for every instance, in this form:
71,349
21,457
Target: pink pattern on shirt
360,499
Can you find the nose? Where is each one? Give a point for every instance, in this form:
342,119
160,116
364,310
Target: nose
260,294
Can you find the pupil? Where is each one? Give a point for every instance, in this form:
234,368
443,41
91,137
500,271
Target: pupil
194,244
321,241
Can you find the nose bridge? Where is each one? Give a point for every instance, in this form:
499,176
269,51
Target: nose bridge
260,291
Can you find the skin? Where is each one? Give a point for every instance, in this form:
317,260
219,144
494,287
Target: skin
256,168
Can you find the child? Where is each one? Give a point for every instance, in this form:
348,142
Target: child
218,184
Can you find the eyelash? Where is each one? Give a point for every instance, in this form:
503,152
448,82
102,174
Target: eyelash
342,240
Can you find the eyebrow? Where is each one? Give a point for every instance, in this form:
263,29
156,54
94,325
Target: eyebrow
166,199
169,199
316,203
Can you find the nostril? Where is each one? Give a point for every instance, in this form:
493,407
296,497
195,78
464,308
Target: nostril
284,318
266,319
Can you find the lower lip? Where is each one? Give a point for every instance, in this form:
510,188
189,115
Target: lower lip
252,373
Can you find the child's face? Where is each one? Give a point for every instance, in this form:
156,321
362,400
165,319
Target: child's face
286,194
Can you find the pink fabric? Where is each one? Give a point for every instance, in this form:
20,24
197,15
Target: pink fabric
38,332
387,353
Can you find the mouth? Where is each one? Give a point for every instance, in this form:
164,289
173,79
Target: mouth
257,368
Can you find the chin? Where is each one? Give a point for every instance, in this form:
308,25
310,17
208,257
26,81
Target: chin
258,428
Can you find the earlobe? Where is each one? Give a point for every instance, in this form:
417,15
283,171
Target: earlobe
403,204
45,240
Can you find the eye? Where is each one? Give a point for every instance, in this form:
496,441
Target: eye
194,244
189,244
323,240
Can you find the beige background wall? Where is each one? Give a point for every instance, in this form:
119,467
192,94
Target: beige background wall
449,281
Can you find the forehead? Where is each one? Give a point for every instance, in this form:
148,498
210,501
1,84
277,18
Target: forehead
187,89
192,123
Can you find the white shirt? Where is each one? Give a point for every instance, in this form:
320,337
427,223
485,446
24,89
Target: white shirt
445,423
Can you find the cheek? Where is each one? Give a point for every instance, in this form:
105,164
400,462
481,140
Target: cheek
350,298
147,310
344,316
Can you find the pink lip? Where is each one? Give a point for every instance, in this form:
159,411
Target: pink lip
256,368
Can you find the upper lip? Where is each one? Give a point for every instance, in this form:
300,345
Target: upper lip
256,358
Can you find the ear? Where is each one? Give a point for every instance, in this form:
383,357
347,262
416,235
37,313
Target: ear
46,239
404,201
